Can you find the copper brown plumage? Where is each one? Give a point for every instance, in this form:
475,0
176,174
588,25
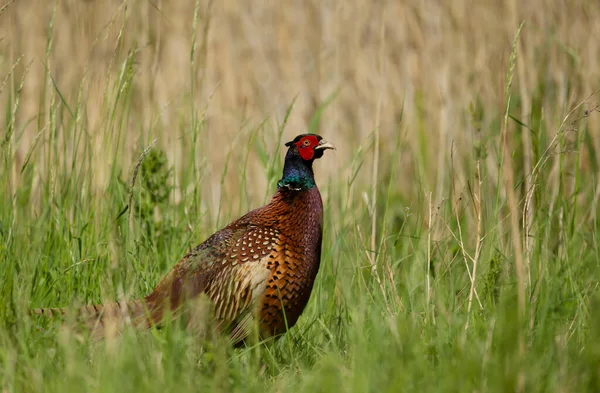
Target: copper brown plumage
260,268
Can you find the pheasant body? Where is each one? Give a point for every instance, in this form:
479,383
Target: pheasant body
259,269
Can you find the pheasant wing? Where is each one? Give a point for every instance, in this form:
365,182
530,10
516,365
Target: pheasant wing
231,268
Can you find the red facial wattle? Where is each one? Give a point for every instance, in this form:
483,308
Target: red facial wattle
306,147
306,153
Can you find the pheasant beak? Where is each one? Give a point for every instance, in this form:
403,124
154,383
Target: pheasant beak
324,145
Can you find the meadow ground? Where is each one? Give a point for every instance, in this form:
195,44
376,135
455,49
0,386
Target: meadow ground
461,249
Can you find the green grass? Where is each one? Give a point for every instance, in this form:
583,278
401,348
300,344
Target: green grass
392,310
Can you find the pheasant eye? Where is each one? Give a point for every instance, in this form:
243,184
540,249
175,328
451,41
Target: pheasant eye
306,142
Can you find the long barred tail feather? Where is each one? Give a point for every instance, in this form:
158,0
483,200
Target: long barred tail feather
109,318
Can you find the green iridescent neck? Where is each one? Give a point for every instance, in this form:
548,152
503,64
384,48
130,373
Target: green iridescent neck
297,173
296,183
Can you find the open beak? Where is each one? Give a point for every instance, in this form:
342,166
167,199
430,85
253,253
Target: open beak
323,145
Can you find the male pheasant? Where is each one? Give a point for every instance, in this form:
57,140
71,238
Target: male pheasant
258,269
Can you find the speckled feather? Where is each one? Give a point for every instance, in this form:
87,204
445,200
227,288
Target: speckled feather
260,268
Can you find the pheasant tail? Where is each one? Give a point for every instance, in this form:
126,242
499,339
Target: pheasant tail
106,319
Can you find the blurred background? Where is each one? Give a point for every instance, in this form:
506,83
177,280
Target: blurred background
422,82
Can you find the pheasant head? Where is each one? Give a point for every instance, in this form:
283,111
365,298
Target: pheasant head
302,151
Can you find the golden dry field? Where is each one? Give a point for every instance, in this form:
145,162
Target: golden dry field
414,68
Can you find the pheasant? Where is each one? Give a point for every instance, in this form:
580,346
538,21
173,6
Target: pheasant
257,271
